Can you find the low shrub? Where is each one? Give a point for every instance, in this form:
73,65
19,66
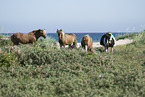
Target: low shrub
7,59
46,43
4,42
44,69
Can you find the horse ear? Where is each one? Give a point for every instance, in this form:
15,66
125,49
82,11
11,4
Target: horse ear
39,29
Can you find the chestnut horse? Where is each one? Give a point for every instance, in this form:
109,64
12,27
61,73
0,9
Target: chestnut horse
26,38
87,43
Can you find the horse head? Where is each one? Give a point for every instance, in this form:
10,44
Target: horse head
60,33
40,32
109,37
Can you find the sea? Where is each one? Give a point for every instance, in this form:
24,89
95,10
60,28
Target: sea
95,36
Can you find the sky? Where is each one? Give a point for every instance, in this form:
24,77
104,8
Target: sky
72,15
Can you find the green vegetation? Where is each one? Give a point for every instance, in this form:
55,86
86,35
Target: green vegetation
4,40
129,35
45,70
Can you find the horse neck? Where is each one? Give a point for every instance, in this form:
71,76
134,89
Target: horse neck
63,36
37,35
34,33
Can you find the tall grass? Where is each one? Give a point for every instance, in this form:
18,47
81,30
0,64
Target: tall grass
128,35
45,70
139,39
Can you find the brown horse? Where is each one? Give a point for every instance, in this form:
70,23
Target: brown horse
67,39
26,38
87,43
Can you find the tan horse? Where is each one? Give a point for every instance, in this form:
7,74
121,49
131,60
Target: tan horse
67,39
26,38
87,43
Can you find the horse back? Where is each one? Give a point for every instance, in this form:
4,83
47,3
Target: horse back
71,35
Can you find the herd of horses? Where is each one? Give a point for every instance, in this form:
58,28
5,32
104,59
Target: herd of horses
70,39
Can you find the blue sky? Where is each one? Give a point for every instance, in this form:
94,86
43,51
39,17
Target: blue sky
72,15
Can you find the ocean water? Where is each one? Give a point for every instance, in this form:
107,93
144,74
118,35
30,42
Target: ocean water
95,36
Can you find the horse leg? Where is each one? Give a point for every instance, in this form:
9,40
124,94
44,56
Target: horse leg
111,49
105,48
60,46
70,46
33,43
86,47
74,44
16,43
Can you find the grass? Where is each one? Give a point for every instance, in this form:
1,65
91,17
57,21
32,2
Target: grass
129,36
5,40
45,70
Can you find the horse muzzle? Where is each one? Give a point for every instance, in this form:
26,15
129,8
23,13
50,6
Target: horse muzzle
44,36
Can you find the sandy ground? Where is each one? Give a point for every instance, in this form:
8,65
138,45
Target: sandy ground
119,42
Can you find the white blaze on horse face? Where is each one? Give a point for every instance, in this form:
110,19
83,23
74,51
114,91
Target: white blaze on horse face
86,47
111,37
59,35
44,31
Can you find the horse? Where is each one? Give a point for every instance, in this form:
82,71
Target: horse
26,38
108,40
67,39
87,43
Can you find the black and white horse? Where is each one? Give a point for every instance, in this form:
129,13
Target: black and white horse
107,41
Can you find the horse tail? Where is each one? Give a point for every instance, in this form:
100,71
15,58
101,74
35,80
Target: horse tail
75,40
102,40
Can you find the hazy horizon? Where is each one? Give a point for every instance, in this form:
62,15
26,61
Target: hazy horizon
72,16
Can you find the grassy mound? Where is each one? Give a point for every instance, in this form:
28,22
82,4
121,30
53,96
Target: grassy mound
129,35
45,70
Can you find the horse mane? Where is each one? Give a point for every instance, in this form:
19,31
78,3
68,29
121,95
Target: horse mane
33,32
70,34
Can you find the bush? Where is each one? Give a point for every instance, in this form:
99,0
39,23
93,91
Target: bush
7,59
43,69
46,43
4,42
